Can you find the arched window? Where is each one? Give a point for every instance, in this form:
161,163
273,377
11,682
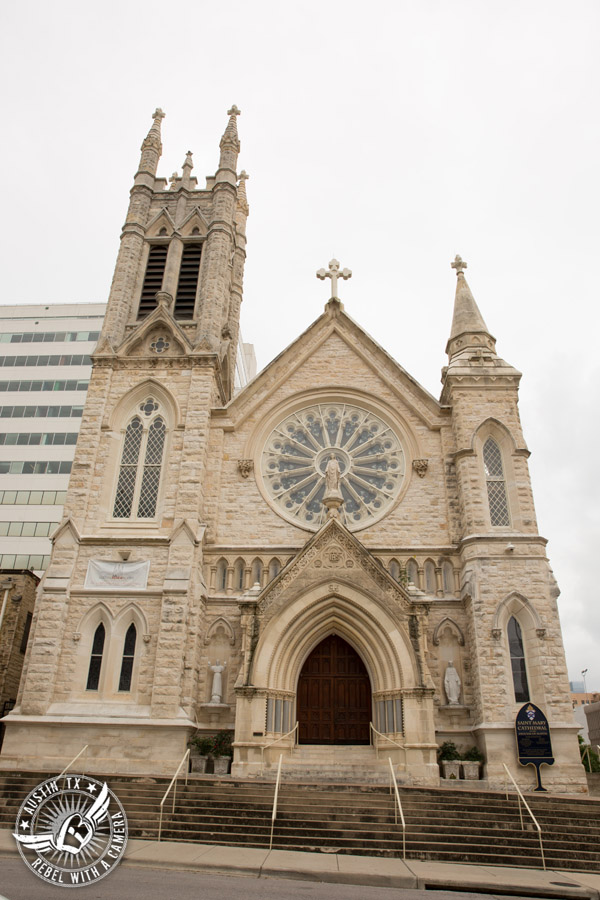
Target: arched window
412,572
93,678
274,568
222,575
256,571
141,463
155,270
496,486
394,570
430,577
127,661
238,575
517,661
448,577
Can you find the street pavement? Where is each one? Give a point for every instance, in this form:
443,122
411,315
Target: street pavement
189,871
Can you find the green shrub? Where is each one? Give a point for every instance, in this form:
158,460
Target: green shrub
203,745
473,754
448,750
222,744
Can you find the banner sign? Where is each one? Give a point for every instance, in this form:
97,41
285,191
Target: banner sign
534,747
125,576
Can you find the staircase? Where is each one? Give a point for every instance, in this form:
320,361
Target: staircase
344,764
468,826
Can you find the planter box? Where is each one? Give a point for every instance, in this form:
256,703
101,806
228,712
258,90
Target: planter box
470,770
451,769
221,764
198,764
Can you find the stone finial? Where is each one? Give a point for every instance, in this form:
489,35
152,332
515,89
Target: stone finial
234,111
243,176
242,198
173,180
188,165
334,273
230,143
151,147
459,264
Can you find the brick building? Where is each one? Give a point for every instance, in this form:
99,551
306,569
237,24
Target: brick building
331,545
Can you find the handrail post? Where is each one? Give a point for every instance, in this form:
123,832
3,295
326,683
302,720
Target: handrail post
276,741
275,797
526,805
173,781
398,806
75,758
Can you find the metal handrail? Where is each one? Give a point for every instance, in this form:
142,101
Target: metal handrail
75,758
276,741
379,734
535,821
173,780
275,797
397,806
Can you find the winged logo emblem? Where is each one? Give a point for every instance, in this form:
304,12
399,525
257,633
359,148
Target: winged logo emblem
72,831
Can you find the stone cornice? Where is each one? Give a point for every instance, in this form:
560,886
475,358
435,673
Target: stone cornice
192,360
506,537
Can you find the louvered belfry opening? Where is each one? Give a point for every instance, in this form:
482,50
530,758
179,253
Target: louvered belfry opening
153,279
185,299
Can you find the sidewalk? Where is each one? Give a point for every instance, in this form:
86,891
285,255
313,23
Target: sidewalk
346,869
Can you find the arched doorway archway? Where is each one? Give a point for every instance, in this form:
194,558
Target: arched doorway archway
333,703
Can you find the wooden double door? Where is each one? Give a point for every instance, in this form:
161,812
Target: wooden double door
334,696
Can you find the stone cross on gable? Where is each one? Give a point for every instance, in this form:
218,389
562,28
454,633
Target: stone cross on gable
458,264
234,111
158,113
334,273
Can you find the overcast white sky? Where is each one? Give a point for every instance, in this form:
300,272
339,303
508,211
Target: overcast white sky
390,134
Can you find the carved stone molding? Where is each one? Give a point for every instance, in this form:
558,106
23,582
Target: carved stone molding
246,466
420,466
76,636
496,633
541,633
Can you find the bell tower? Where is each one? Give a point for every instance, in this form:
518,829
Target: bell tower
184,247
120,619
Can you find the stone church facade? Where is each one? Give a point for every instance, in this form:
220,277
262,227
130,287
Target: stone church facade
330,546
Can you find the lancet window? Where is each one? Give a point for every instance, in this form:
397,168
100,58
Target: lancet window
185,299
93,679
153,279
127,660
517,661
496,485
141,464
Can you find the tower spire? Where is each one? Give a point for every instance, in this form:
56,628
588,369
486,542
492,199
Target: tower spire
230,143
151,149
469,331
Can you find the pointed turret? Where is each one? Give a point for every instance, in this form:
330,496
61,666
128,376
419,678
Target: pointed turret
230,148
187,181
151,151
469,331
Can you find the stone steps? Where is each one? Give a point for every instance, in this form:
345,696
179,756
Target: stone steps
475,826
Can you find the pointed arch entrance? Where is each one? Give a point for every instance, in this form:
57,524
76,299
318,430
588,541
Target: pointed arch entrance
334,695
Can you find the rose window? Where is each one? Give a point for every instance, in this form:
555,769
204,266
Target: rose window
369,454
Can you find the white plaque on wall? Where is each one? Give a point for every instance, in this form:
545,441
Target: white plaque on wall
125,576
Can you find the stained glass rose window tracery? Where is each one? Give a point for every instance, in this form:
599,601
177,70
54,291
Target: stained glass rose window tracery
367,449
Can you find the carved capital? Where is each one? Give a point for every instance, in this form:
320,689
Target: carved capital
76,636
420,466
245,466
496,633
541,633
147,638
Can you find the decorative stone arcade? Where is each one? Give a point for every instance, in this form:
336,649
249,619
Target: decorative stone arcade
333,603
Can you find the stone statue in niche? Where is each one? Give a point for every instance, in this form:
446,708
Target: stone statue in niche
452,684
216,694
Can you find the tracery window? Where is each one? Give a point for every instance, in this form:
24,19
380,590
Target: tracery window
369,455
93,679
128,657
496,485
517,661
141,463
